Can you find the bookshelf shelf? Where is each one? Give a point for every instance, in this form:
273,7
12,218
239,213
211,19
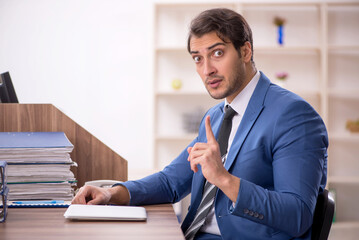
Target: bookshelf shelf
344,180
345,225
181,137
345,137
345,93
344,230
181,93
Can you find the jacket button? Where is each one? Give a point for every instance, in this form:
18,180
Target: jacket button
251,213
246,211
260,216
256,215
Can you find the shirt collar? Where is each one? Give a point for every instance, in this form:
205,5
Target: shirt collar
240,102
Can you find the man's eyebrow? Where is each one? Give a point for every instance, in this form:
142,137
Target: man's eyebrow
210,47
215,45
193,52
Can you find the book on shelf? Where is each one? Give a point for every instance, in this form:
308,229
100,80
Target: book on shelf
39,165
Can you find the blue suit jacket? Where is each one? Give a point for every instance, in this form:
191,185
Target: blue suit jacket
280,154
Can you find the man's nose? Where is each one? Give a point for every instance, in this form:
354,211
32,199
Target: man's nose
208,68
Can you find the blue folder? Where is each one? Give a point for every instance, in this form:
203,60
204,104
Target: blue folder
39,204
34,140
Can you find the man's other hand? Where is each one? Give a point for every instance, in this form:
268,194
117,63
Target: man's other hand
99,196
92,195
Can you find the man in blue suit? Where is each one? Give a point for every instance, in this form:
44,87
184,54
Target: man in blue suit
268,180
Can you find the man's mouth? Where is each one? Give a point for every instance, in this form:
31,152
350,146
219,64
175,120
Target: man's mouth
214,83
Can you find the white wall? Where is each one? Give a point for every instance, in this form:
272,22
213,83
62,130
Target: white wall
91,59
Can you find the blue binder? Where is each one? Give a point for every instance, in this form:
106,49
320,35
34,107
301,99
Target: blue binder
39,204
34,140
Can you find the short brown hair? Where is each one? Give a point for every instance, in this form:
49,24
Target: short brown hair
228,24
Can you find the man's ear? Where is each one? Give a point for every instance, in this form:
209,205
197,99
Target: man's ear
246,52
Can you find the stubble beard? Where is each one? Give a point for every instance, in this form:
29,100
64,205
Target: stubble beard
235,83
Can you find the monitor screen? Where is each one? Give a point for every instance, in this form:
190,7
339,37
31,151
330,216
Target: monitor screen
7,91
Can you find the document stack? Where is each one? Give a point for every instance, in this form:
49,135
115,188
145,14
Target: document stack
38,165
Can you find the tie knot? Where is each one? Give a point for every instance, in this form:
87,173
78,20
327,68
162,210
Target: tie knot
229,113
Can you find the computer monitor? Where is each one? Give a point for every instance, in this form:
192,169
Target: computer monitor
7,91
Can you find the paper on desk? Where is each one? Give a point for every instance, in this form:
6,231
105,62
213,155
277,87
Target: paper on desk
105,212
18,173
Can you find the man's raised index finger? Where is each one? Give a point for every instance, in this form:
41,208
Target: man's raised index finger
209,133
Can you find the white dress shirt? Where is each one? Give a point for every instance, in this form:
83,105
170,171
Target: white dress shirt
239,104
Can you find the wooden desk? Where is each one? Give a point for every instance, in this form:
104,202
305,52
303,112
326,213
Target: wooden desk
49,223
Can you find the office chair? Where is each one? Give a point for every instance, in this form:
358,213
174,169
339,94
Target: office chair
323,216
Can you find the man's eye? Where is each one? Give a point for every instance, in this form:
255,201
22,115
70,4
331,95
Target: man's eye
196,59
218,53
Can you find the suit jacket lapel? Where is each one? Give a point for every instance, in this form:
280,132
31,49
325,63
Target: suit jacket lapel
254,109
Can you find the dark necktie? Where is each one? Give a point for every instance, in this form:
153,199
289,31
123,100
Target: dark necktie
209,190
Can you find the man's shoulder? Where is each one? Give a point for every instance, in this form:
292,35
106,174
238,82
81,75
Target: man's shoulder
280,101
281,96
274,94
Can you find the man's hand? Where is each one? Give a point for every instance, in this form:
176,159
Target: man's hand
92,195
208,156
95,195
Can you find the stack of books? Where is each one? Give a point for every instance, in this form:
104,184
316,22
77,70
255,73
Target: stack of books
38,165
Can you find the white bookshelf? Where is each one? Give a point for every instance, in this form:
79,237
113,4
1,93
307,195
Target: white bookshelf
321,55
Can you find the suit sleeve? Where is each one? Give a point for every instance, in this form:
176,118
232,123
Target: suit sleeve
298,145
167,186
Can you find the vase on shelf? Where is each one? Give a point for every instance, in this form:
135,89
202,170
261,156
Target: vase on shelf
279,22
280,34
